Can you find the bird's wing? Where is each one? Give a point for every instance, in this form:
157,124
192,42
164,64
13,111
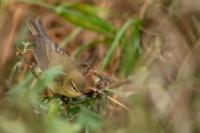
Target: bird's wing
44,47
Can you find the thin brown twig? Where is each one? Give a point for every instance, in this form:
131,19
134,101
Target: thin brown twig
118,103
114,101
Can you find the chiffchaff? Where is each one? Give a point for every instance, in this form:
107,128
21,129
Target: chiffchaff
48,54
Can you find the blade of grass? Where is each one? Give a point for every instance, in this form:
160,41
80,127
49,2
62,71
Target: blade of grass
115,43
85,8
93,23
132,49
70,37
78,17
118,103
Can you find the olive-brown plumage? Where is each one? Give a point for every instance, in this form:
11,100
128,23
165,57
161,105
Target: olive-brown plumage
48,54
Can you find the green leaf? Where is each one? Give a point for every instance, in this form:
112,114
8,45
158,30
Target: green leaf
70,37
28,90
131,49
83,20
84,8
115,43
73,110
53,108
89,119
81,15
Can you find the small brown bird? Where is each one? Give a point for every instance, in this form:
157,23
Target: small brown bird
48,54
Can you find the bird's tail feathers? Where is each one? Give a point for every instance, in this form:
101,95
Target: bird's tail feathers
36,26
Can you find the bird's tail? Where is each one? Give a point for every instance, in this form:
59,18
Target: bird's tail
41,42
36,26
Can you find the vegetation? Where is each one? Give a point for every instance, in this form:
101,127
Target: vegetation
143,55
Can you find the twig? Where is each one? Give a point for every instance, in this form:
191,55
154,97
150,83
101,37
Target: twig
111,99
118,103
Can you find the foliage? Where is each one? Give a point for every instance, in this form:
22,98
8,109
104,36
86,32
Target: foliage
56,113
158,100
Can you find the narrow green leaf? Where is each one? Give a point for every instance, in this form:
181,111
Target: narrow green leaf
85,8
94,23
78,14
70,37
131,49
115,43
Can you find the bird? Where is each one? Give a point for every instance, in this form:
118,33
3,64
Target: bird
48,54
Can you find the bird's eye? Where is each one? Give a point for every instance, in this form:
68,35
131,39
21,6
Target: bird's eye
74,86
